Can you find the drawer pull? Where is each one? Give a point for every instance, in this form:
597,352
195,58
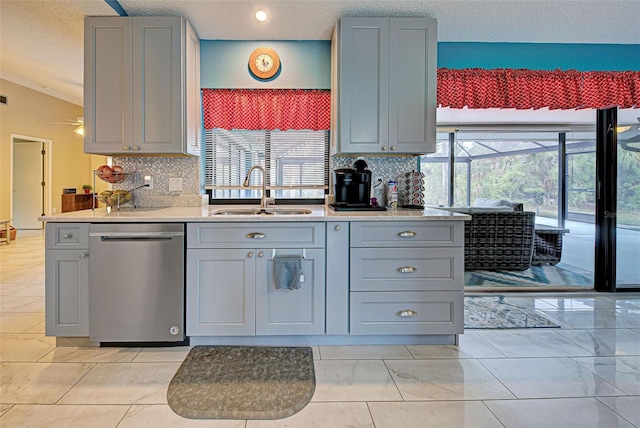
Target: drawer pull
406,313
255,235
67,236
84,255
406,269
407,234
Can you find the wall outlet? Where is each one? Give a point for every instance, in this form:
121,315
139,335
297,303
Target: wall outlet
148,181
175,184
54,210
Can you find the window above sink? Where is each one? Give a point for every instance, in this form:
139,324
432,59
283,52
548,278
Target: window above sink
296,164
284,131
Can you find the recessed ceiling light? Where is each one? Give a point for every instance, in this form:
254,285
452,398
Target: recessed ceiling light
261,15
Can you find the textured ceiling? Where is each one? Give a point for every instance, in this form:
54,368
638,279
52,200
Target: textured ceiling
42,40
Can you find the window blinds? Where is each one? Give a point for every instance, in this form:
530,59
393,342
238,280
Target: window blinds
296,163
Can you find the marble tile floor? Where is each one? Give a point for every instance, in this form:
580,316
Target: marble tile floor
585,374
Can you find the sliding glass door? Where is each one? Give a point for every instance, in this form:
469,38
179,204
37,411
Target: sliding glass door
628,209
553,173
579,249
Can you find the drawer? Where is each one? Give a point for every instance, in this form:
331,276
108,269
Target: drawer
404,234
427,312
254,235
67,236
407,269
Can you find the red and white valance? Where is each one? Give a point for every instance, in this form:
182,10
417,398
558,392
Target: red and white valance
475,88
532,89
255,109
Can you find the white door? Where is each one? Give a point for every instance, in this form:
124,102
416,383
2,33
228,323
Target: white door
27,184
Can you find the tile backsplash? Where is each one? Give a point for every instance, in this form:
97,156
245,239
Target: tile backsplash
162,168
385,167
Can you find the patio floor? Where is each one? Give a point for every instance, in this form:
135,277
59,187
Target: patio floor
578,252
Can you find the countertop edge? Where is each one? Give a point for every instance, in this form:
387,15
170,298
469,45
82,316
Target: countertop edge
202,214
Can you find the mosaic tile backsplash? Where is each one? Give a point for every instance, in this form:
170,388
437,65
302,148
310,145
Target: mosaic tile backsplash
387,168
162,168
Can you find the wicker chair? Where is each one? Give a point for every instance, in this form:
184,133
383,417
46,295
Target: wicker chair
499,240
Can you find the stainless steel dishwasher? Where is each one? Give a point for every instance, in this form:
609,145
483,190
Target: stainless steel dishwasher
136,282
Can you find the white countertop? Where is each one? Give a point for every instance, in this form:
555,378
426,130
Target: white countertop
197,214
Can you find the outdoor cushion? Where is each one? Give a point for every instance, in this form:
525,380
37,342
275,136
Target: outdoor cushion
472,210
484,202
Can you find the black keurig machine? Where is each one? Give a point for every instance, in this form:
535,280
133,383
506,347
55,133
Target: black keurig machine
353,185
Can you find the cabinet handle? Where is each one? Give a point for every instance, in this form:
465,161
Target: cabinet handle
249,254
255,235
393,147
337,227
67,236
406,234
406,269
260,254
406,313
126,148
84,255
384,148
136,148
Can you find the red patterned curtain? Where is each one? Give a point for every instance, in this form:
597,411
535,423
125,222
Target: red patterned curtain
533,89
255,109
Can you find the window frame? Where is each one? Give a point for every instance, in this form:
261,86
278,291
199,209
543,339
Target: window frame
209,157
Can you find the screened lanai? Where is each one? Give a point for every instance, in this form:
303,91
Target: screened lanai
550,169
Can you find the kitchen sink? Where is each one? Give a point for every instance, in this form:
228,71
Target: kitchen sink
258,211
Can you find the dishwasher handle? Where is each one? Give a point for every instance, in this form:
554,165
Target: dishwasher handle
137,236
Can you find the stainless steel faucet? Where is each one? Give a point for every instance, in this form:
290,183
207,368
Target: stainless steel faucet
245,183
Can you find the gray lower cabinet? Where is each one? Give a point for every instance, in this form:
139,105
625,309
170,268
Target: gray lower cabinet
406,278
283,311
230,283
221,292
67,279
407,312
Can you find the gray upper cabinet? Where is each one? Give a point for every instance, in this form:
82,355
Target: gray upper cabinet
384,85
142,86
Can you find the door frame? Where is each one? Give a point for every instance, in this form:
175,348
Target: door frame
47,173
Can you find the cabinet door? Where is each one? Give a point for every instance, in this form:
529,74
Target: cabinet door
283,311
412,85
220,292
157,84
67,293
107,84
364,93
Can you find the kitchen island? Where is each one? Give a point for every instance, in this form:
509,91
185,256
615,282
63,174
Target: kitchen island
372,277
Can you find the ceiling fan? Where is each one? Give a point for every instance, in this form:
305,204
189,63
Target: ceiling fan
78,123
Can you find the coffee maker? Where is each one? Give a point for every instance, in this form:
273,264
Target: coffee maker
352,187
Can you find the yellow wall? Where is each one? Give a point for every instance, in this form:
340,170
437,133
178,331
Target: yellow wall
27,113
